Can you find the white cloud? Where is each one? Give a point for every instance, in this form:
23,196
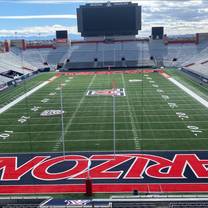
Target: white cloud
38,31
142,2
177,16
63,16
52,1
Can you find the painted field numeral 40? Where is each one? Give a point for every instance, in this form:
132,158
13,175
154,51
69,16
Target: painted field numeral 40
194,129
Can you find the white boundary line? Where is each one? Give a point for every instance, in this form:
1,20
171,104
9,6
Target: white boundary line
27,94
188,91
104,140
133,126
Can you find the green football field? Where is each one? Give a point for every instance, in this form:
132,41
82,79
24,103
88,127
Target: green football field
154,114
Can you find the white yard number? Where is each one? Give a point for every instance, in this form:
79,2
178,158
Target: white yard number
154,85
23,119
5,135
52,93
165,97
173,105
35,108
160,90
194,129
45,100
182,115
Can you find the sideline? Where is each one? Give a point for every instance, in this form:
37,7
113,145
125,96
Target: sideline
188,91
185,89
27,94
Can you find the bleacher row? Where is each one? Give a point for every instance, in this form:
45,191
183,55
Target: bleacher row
40,58
17,62
27,202
118,54
190,56
161,204
198,64
138,54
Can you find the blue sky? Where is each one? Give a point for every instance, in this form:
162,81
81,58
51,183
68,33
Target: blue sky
42,17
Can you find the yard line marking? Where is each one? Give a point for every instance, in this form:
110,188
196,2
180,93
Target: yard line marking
118,106
27,94
103,123
107,139
79,104
119,116
76,133
14,92
133,126
75,112
189,92
124,110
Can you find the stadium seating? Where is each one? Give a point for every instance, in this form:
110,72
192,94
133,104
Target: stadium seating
110,54
188,205
58,55
134,205
10,61
135,54
27,202
4,79
39,58
198,64
35,57
179,52
114,54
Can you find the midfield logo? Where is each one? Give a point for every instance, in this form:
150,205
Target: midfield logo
52,112
112,92
122,171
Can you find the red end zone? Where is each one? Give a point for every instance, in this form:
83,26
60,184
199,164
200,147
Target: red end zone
143,171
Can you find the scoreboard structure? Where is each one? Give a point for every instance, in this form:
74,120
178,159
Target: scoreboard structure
62,34
109,19
157,33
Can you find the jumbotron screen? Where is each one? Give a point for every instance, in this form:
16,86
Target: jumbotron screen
62,34
109,19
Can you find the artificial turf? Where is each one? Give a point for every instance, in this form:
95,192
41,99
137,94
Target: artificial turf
154,115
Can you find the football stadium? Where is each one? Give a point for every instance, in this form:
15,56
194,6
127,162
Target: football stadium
112,119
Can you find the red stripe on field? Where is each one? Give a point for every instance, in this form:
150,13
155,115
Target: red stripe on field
165,75
104,188
110,72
